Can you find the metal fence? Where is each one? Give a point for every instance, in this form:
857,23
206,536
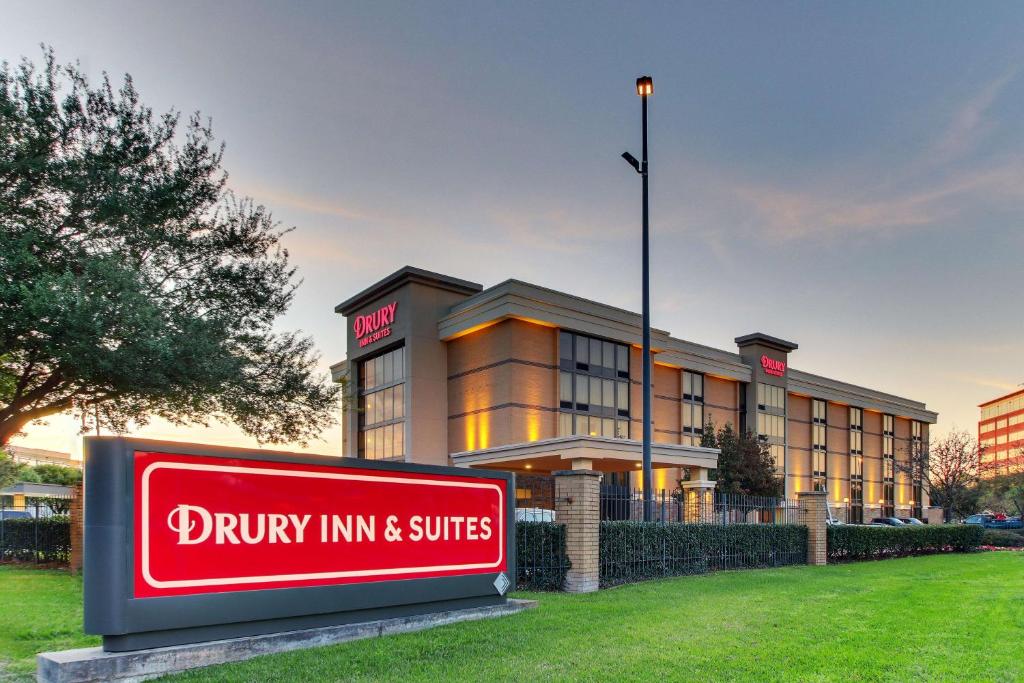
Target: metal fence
621,503
541,560
37,531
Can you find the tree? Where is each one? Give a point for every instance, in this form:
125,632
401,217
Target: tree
58,474
132,282
948,470
745,464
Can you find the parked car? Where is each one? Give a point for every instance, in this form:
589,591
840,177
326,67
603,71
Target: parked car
887,521
990,521
911,521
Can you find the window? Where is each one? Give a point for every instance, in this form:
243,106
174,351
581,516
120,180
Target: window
888,466
856,465
382,406
771,422
593,387
693,408
819,452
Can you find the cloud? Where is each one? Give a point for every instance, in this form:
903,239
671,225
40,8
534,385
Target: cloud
969,124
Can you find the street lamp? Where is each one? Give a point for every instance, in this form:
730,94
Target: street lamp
645,88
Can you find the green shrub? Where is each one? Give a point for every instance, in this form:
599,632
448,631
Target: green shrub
855,542
541,561
635,551
47,539
1002,538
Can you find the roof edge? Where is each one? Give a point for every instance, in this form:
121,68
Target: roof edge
403,276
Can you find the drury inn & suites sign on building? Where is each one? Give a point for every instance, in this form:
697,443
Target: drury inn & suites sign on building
522,378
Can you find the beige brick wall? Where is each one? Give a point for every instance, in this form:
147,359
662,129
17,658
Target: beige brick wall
838,453
872,461
494,405
721,392
577,506
812,515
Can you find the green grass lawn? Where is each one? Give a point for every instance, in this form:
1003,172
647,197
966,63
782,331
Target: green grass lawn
952,617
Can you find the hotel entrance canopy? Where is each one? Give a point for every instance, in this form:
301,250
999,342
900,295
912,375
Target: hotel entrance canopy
586,453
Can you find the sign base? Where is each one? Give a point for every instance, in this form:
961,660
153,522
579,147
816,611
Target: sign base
95,664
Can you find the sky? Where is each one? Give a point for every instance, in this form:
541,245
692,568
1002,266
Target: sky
845,175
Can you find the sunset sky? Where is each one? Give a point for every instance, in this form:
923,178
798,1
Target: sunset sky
849,176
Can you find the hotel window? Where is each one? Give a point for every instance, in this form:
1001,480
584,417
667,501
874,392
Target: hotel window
382,406
593,387
819,452
856,466
771,422
888,466
693,408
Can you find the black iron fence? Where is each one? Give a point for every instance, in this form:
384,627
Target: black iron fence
35,532
541,560
694,506
637,551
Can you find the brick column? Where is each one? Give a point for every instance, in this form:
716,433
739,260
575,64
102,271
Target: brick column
935,515
812,514
77,527
578,507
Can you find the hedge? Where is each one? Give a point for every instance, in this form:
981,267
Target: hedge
1002,538
855,542
46,539
541,560
636,551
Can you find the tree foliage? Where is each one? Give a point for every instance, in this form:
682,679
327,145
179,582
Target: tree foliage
132,282
949,471
744,465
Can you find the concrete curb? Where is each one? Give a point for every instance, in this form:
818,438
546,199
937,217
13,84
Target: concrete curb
93,664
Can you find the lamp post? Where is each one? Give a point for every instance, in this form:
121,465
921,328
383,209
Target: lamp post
645,88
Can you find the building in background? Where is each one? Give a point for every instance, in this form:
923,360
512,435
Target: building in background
1001,434
39,456
523,378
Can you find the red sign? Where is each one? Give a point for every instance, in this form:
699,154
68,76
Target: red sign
374,326
211,525
773,367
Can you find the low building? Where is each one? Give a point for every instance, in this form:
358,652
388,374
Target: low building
1001,434
39,456
524,378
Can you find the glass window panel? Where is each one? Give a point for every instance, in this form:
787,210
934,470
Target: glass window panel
565,424
687,384
582,391
388,361
565,387
378,370
622,390
608,351
608,428
595,391
368,378
400,363
399,401
389,403
698,419
399,439
582,350
581,426
565,346
622,358
621,429
698,387
388,448
371,442
608,392
595,352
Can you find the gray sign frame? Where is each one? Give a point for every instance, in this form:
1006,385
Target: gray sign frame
128,623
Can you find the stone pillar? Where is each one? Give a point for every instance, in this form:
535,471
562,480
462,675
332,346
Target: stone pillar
812,515
578,507
935,515
77,527
699,499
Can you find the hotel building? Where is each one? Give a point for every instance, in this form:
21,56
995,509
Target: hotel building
523,378
1001,434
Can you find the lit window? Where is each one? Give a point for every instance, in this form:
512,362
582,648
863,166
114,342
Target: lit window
593,387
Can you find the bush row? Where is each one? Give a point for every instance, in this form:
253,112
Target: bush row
36,540
541,560
1002,538
854,542
634,551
